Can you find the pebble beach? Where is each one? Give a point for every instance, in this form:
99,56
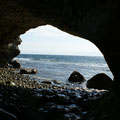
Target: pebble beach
25,98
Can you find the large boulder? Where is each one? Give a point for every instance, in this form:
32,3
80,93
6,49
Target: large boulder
28,71
100,81
15,63
76,77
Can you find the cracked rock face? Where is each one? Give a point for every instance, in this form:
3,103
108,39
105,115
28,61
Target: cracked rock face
8,51
96,20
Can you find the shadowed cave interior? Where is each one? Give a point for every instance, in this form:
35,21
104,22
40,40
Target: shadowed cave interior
97,21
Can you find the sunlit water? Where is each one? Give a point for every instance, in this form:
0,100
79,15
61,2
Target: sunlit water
59,67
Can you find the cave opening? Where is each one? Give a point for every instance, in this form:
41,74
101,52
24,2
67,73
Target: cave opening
21,98
56,54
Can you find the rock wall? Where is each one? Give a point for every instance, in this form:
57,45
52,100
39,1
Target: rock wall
95,20
8,51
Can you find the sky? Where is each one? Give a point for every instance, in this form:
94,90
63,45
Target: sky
50,40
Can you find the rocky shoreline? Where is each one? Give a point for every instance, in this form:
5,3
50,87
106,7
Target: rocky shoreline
24,98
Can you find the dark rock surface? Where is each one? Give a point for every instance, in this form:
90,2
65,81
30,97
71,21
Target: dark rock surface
8,50
28,71
100,81
29,100
76,77
96,20
6,115
107,108
46,82
15,64
46,104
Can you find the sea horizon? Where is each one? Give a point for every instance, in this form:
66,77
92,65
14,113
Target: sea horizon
60,54
59,67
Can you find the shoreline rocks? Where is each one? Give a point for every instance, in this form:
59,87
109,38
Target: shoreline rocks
76,77
100,81
28,71
15,64
27,99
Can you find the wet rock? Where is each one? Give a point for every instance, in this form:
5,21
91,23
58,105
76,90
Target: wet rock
76,77
75,97
4,115
42,103
100,81
74,108
28,71
57,82
72,116
61,99
15,63
46,82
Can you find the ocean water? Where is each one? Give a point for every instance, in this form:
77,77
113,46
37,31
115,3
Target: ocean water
59,67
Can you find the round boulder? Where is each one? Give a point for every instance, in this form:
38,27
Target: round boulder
100,81
28,71
15,63
76,77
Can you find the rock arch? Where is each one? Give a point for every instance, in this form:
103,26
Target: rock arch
96,20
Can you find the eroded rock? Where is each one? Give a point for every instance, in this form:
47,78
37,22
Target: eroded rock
8,51
100,81
46,82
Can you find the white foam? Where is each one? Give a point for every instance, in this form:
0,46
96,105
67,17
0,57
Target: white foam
23,59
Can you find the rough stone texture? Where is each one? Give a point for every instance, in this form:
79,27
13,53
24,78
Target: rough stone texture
100,81
23,98
8,51
15,64
95,20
